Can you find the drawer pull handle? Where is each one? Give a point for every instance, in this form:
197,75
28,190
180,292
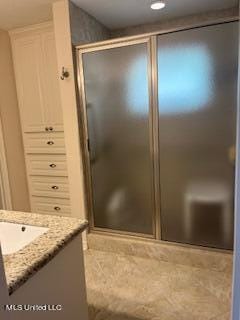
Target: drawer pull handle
53,165
55,187
50,143
46,129
50,128
57,208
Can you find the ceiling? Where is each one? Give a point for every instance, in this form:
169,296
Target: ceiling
121,13
113,13
19,13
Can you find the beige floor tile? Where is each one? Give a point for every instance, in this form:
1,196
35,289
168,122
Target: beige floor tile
127,287
225,316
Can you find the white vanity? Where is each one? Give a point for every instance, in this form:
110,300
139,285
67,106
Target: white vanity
43,262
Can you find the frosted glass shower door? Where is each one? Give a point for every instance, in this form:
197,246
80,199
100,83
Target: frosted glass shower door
197,93
118,120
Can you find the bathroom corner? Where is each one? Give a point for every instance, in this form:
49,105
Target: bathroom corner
119,160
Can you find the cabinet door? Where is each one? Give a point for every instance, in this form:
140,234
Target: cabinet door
52,102
28,63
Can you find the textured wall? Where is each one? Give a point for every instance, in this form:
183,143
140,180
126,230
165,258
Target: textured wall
84,27
174,23
11,128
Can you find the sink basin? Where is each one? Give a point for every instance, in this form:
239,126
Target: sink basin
14,237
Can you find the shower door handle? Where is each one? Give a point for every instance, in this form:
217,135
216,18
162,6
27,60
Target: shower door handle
91,152
232,154
88,145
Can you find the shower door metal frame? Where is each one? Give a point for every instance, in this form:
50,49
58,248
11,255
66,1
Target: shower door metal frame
153,130
194,25
151,39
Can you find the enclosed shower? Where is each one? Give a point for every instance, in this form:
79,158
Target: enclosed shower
158,122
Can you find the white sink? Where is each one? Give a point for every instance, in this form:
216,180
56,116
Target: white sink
13,236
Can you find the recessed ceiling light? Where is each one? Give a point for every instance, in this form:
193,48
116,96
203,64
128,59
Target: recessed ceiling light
158,5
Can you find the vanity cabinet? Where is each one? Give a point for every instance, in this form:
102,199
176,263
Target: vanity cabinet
59,283
36,71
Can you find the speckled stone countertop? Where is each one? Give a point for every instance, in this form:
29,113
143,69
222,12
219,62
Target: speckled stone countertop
20,266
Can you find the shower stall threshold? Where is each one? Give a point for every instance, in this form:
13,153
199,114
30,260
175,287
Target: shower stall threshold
199,257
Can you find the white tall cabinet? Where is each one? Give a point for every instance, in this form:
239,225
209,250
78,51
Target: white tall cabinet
35,63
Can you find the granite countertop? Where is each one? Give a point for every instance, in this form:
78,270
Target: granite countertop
20,266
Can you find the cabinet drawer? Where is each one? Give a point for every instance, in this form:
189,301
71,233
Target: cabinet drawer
45,142
43,128
51,205
49,186
47,165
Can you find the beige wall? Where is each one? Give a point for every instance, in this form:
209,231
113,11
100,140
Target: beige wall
61,20
11,128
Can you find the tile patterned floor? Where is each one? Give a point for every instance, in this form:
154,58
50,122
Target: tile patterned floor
124,287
